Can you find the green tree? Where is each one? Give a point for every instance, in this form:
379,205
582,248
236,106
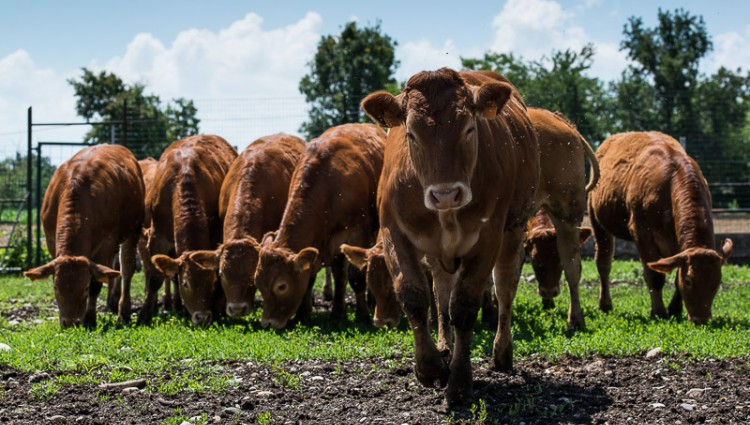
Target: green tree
150,127
13,172
344,70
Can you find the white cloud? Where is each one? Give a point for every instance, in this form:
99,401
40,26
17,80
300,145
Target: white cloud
422,55
532,29
731,50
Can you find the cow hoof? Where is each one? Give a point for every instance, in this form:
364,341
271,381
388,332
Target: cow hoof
576,323
548,303
458,398
362,318
327,293
432,374
605,306
144,318
502,363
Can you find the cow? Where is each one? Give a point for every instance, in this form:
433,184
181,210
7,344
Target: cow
251,203
651,192
93,204
184,204
459,182
554,237
331,201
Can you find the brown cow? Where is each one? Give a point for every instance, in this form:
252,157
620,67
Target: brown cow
554,238
331,201
459,181
252,201
93,204
653,193
184,203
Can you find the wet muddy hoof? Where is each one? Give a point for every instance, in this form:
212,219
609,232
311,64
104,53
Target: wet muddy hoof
432,375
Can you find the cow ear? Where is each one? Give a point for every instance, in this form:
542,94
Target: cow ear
167,265
726,250
304,260
584,234
103,274
269,237
490,99
208,260
666,265
356,255
384,108
41,272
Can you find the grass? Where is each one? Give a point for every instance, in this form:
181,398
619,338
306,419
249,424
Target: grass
111,353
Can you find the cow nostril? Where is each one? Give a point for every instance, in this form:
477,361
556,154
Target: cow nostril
202,318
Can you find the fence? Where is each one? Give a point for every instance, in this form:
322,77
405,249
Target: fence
240,121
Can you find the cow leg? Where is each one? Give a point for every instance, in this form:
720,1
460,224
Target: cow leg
358,282
464,305
655,282
338,270
675,306
304,312
153,284
442,285
605,251
506,274
328,286
127,264
177,305
89,317
413,293
114,288
569,247
489,312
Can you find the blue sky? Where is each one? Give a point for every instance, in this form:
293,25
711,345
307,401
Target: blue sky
258,50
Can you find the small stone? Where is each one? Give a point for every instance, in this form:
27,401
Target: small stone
696,392
657,405
593,366
654,352
363,420
57,418
186,423
607,372
264,394
305,373
80,419
231,411
130,390
13,322
217,419
317,378
37,321
4,347
686,406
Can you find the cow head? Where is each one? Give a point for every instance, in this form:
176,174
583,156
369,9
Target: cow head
541,247
235,261
441,114
698,277
283,277
197,284
72,277
372,262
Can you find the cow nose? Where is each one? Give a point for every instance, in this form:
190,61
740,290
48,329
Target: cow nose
388,321
67,323
238,309
446,196
202,318
272,323
699,320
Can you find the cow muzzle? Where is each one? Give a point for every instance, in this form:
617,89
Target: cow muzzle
447,196
202,318
238,309
276,324
68,322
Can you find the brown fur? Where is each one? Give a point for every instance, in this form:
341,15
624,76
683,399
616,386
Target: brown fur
252,201
184,203
459,182
653,193
331,201
93,204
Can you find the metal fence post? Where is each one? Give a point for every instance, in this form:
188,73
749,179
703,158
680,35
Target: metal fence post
29,165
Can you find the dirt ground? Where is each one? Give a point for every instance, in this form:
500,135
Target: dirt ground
601,390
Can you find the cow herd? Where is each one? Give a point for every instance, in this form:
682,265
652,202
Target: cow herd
424,219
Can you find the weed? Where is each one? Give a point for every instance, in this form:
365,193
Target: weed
45,389
263,418
479,413
286,380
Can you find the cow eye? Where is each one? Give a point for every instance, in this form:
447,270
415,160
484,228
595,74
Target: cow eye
281,288
470,131
411,139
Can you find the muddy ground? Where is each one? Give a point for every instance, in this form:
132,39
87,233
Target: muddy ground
600,390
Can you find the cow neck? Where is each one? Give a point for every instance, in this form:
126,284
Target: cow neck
73,233
307,219
691,208
191,224
245,214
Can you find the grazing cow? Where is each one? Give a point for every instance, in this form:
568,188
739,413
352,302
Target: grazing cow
93,204
651,192
331,201
184,203
252,201
554,236
460,176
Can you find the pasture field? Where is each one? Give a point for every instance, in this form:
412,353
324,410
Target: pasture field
237,372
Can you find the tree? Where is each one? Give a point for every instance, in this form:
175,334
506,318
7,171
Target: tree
150,126
670,54
344,70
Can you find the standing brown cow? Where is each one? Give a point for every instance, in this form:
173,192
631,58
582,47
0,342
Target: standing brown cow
93,204
554,236
184,203
653,193
251,204
459,182
331,201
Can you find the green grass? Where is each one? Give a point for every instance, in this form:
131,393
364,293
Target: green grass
177,357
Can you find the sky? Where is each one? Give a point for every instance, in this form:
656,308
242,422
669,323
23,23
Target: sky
241,61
